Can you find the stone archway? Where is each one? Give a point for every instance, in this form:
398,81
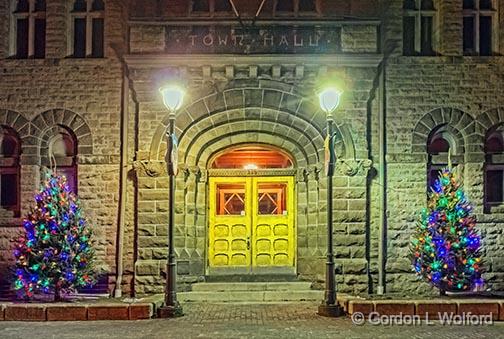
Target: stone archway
244,112
282,105
458,123
47,124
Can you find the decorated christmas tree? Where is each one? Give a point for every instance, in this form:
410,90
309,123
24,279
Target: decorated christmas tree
446,245
54,254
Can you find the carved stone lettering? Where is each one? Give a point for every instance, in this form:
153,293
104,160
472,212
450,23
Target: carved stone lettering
234,40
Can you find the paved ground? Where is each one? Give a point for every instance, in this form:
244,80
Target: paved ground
243,321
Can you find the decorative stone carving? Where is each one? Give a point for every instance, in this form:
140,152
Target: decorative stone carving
302,175
151,168
314,172
352,167
203,176
251,173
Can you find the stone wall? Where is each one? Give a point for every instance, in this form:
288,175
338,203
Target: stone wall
460,92
251,107
181,8
270,99
81,94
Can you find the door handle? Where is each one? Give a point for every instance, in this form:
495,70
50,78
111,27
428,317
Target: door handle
248,243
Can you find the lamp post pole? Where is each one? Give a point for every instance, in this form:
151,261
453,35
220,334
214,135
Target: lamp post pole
171,276
171,306
330,286
329,101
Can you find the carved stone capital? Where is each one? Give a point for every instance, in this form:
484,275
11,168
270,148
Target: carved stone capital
302,175
203,176
313,172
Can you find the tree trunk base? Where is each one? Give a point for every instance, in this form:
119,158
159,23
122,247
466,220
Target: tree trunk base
57,295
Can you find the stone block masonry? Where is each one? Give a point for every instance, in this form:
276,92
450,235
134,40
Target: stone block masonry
248,98
83,95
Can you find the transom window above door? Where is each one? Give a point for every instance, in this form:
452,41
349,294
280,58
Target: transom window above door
252,157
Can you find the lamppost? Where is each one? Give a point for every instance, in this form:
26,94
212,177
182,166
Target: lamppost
173,97
329,101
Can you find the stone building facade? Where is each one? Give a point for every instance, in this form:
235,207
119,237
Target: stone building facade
418,77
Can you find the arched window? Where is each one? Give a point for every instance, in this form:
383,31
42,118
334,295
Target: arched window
63,150
494,168
251,157
439,145
88,29
28,29
10,150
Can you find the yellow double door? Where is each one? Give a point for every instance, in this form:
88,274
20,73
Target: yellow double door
251,225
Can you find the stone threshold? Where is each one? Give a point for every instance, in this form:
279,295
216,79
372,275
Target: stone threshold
425,309
75,312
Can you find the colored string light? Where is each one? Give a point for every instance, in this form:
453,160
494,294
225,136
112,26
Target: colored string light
446,247
55,253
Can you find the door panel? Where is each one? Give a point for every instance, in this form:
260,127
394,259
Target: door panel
251,224
273,222
229,233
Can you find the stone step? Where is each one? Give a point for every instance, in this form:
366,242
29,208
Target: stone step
251,296
251,286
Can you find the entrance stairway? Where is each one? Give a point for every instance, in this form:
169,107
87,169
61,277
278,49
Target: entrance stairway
251,292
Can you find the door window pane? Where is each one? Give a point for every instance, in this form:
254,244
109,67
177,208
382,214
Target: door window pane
231,199
252,157
272,198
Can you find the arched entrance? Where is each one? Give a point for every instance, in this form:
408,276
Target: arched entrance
252,211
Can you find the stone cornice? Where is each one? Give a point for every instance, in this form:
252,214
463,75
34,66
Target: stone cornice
182,60
205,21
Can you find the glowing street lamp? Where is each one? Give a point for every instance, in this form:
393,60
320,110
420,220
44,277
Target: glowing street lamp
329,100
173,97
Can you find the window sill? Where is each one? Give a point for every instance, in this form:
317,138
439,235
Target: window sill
84,58
445,59
10,218
494,208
